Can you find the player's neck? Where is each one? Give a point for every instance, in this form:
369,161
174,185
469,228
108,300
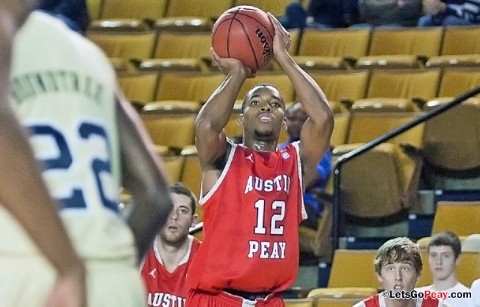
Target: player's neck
172,254
447,283
263,146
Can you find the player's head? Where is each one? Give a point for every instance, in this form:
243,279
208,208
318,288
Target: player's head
296,117
444,250
182,216
398,264
263,113
19,9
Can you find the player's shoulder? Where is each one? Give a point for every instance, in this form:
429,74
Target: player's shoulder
40,26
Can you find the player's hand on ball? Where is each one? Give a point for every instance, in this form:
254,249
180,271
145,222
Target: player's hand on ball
281,41
227,64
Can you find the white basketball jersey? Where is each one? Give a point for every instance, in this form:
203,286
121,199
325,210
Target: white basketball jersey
63,92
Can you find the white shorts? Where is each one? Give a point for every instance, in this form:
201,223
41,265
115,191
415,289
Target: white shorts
27,280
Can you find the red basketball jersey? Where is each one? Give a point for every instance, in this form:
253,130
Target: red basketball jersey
165,288
379,301
251,219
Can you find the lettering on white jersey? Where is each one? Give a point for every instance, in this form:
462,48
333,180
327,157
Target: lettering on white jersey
279,183
160,299
33,84
266,249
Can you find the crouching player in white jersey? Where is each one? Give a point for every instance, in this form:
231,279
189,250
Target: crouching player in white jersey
84,133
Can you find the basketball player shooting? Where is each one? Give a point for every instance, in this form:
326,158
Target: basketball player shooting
252,192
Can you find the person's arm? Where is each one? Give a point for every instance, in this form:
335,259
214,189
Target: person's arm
209,137
143,176
316,131
22,190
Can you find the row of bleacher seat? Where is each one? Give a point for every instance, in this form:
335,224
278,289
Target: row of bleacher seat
153,49
377,91
141,9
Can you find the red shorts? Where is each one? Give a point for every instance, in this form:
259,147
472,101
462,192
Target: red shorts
199,298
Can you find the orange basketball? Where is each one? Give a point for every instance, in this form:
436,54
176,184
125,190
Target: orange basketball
244,33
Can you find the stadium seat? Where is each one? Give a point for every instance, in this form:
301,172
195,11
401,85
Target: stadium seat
174,128
461,40
361,261
191,175
340,129
451,144
342,86
173,167
183,24
179,51
460,47
457,216
461,60
138,9
367,126
138,88
94,8
299,302
401,47
277,8
189,86
198,8
394,86
455,81
126,45
344,47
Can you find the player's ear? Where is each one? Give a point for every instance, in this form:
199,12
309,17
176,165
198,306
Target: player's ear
284,124
194,220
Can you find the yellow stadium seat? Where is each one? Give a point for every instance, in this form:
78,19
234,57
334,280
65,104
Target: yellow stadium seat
173,166
191,175
340,129
139,9
198,8
367,126
404,83
174,128
139,88
341,86
461,40
455,81
276,7
457,216
126,45
298,302
451,141
460,47
361,260
344,46
189,86
401,47
94,8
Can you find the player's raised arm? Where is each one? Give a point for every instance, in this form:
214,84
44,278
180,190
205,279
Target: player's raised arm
143,176
212,118
316,132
